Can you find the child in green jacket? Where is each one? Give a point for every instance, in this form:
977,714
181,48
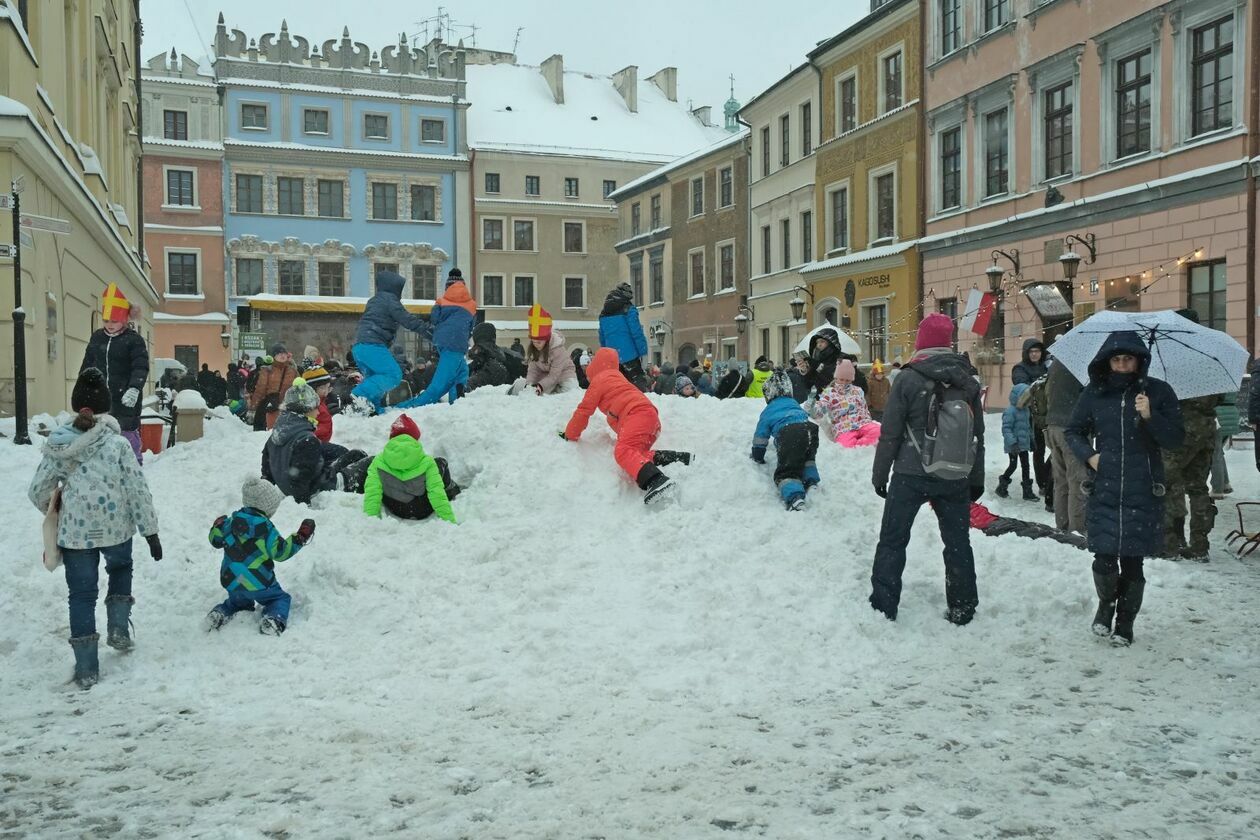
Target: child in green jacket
406,481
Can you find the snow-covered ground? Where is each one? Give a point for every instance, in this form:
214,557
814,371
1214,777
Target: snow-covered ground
567,663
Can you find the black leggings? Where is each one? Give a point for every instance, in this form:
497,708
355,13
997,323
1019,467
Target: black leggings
1023,465
1129,568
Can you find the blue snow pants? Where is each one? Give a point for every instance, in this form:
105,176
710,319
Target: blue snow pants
275,601
450,377
381,373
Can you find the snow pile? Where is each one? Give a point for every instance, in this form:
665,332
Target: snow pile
568,663
190,400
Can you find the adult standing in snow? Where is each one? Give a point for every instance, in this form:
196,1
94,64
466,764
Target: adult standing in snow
903,437
452,320
619,328
1121,421
103,501
798,373
1030,368
273,384
382,316
119,352
825,354
664,381
1068,474
551,369
762,368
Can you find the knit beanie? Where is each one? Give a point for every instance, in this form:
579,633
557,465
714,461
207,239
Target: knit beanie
90,392
936,330
277,349
845,372
301,397
404,425
316,375
454,276
261,495
681,384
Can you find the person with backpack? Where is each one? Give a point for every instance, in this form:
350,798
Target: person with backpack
795,441
620,329
932,441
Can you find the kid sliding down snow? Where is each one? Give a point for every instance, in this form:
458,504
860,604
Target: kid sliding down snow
795,440
633,417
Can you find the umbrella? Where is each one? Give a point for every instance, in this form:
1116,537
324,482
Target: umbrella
848,344
1196,361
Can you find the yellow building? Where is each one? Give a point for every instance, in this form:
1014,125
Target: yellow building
867,194
69,134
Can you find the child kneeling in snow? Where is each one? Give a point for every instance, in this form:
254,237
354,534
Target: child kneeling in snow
795,441
251,548
633,417
843,405
403,478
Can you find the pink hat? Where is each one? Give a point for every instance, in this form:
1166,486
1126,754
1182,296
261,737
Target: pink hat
936,330
845,371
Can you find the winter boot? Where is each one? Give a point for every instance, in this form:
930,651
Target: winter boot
271,626
1175,539
1004,487
1029,495
664,457
1200,527
1128,605
653,483
118,619
960,616
87,669
797,502
1049,497
215,619
1107,587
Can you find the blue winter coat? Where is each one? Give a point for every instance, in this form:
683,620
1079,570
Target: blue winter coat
251,547
452,319
1125,509
778,413
623,333
384,313
1017,433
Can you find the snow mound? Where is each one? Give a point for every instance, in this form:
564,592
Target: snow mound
190,400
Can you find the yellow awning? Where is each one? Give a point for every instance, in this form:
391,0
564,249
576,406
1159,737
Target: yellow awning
282,303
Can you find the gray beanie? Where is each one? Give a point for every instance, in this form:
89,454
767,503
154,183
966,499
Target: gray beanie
261,495
301,397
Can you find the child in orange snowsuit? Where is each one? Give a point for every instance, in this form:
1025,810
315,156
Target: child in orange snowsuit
634,419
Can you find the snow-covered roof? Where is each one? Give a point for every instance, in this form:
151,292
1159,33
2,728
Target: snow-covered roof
593,121
716,146
204,318
859,257
302,147
205,145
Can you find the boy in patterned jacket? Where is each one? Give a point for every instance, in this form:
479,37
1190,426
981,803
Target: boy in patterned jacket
251,548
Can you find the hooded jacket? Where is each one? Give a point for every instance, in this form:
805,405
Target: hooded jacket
1017,432
665,380
487,363
251,548
619,327
823,362
104,497
452,319
557,368
844,406
275,379
292,458
384,313
1062,391
779,413
1026,371
402,473
1125,509
877,390
124,359
610,392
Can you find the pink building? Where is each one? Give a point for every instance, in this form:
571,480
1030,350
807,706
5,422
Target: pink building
1130,124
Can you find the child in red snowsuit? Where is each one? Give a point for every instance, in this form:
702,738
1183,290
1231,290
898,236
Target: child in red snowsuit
634,419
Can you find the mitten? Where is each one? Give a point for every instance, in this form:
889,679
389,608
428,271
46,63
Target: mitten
155,546
218,523
305,532
131,397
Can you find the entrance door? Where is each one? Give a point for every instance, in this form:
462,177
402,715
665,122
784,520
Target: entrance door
189,355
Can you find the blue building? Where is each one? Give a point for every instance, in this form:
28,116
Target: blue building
339,161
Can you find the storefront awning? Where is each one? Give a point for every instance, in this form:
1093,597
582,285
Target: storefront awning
321,303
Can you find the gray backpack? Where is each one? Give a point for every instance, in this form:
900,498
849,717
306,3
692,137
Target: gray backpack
949,441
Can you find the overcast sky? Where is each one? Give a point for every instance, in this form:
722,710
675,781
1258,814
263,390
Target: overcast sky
707,40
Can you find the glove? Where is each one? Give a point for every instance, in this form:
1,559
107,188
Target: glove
881,488
977,490
131,397
562,437
305,532
155,546
218,523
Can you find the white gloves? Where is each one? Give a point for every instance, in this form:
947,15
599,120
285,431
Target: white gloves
131,397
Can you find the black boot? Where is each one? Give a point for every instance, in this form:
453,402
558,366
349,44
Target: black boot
664,457
1049,497
1175,539
118,620
1128,605
1029,495
653,483
1107,587
87,667
1004,487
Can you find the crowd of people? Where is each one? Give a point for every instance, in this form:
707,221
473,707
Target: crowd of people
1115,457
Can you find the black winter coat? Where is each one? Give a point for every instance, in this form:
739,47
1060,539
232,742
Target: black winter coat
487,363
124,359
292,458
1028,371
732,385
823,362
1125,509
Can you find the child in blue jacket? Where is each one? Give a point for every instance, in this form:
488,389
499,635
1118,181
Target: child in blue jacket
620,329
382,317
452,321
251,548
795,439
1017,440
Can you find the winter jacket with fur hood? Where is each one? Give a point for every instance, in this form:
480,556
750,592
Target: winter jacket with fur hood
556,368
610,392
104,497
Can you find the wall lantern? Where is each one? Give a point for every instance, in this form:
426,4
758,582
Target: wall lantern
1070,260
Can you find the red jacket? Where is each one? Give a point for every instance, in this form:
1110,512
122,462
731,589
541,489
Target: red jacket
323,423
610,392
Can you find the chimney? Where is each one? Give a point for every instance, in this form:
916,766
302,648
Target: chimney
626,81
667,80
553,72
702,114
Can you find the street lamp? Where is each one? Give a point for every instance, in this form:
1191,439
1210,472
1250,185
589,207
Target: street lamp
226,338
1070,260
798,305
658,331
995,272
742,316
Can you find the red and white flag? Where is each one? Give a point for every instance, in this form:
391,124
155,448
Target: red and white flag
979,310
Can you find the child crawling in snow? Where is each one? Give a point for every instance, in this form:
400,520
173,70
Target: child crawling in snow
795,441
843,406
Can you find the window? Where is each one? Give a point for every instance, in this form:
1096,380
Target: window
533,185
807,236
765,151
181,274
697,196
785,139
610,187
432,131
696,270
1207,293
292,277
375,126
179,187
726,266
807,130
951,26
289,196
886,206
655,211
570,187
840,218
996,154
1058,120
380,267
951,168
575,293
636,280
765,249
249,194
848,104
785,234
384,201
314,121
656,270
949,307
331,198
492,234
522,235
574,238
492,182
254,116
492,290
1133,104
726,187
876,318
332,279
424,282
996,13
423,203
249,277
636,218
892,82
188,355
1212,77
175,125
523,290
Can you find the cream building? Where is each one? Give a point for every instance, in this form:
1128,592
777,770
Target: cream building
70,135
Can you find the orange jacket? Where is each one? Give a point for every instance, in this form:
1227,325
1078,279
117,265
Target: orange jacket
610,392
274,379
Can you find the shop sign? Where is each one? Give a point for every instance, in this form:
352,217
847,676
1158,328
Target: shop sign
252,341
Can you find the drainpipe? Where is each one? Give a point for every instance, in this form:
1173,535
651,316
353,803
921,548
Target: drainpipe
1253,152
921,152
455,192
137,31
748,167
472,215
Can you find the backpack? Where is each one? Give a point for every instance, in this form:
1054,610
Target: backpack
1037,401
949,441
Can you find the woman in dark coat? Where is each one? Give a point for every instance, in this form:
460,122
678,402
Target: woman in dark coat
1120,423
824,355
